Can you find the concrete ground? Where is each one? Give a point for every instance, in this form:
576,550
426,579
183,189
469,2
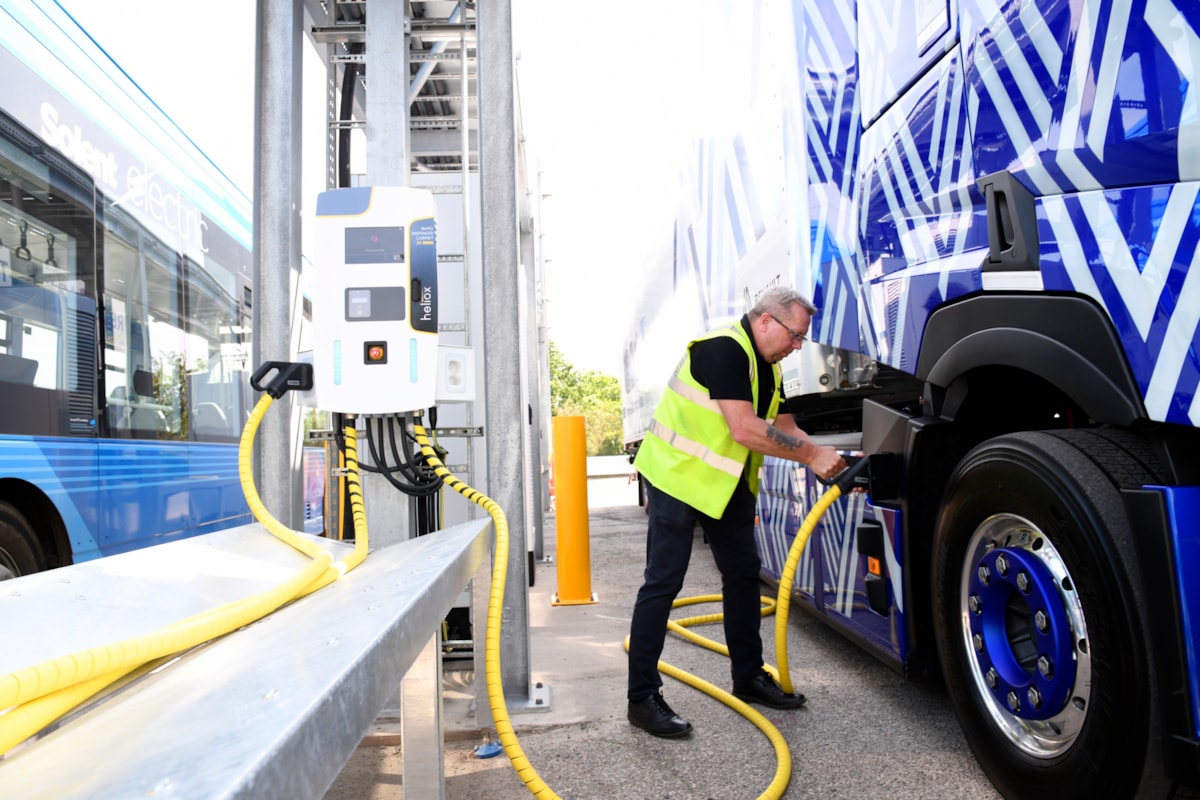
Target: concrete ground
865,733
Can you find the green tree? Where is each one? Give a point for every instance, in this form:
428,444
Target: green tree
589,394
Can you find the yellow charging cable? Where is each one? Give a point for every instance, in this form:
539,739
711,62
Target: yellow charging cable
282,532
508,738
788,575
36,696
779,606
495,688
681,627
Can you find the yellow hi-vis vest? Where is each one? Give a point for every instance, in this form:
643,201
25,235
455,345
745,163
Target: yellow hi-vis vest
689,451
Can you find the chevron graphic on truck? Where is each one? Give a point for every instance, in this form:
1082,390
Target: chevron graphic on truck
995,204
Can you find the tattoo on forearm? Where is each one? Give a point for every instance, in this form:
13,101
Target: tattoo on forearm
783,439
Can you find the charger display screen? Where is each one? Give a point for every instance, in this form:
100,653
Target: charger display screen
375,245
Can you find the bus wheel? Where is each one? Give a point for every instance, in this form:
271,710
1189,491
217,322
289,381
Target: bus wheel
20,553
1040,623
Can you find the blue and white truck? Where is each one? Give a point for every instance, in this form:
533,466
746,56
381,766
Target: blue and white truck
996,206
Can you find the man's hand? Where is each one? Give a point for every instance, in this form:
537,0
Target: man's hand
827,463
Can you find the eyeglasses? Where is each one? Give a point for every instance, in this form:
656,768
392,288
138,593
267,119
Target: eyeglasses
797,338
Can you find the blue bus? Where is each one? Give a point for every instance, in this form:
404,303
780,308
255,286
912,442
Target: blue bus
125,306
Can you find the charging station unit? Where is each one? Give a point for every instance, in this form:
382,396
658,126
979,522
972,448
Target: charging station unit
375,300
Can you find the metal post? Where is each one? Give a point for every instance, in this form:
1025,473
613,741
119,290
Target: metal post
277,246
386,127
464,122
421,727
533,396
502,333
542,337
387,95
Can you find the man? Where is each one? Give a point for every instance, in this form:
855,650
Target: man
712,427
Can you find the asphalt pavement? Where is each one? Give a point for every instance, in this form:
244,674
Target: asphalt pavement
866,732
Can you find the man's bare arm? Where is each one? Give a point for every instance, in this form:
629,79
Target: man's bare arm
784,439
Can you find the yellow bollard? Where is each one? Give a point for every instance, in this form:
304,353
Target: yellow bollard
571,515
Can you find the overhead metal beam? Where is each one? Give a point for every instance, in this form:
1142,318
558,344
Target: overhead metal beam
421,29
441,143
339,34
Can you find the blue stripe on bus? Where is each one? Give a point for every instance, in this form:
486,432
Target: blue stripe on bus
150,491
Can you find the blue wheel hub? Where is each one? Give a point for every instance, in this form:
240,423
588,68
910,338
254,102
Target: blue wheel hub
1021,633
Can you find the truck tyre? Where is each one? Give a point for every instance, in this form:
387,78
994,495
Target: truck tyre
1040,623
20,553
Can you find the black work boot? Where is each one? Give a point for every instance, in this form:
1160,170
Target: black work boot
654,716
763,689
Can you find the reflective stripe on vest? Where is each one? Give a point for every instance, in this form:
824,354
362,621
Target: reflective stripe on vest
697,450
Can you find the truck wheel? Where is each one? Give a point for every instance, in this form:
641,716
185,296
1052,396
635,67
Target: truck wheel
1039,616
20,553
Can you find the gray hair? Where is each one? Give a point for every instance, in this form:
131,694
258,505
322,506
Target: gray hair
777,299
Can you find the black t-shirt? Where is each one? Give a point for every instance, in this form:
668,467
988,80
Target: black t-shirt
720,365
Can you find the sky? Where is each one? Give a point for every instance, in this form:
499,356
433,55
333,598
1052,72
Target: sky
605,116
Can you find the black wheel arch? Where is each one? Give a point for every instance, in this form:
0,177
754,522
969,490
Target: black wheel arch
39,511
1065,340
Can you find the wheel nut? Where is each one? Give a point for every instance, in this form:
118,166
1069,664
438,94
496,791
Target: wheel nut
975,604
1041,620
1023,581
1002,564
977,640
1014,702
991,677
1035,697
1045,667
984,574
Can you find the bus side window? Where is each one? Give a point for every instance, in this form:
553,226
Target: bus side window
134,407
144,413
14,368
143,383
209,420
118,408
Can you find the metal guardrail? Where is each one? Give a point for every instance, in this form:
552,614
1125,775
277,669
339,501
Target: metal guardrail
272,710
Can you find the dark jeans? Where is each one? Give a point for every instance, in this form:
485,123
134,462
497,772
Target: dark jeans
668,549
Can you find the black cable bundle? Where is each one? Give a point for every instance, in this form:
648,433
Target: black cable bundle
406,471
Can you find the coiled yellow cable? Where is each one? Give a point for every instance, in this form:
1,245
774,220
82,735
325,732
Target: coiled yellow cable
36,696
508,739
778,606
504,729
783,756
